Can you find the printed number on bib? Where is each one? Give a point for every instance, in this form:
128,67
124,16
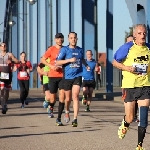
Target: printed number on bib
4,75
141,68
75,64
23,74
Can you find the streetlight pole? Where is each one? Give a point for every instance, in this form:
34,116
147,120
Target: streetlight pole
19,31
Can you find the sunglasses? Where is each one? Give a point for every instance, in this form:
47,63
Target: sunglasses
3,45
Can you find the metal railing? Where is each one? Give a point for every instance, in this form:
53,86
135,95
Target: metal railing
117,77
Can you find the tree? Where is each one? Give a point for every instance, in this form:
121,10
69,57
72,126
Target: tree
128,33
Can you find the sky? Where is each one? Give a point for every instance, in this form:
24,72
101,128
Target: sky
122,22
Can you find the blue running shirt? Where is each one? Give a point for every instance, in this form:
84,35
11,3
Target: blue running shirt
89,75
71,70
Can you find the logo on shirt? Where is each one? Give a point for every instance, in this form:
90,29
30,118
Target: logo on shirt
74,54
141,59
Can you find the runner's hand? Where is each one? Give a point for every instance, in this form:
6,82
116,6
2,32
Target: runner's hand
8,61
130,69
72,60
88,68
28,71
53,67
46,73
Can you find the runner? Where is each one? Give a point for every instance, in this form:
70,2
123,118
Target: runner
71,58
43,70
24,68
133,58
98,74
129,39
6,59
88,79
55,77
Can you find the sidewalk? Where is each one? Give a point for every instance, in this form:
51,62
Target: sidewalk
31,129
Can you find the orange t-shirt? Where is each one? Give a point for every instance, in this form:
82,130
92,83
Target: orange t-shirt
52,54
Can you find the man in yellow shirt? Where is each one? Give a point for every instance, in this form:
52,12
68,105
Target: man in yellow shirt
135,119
133,58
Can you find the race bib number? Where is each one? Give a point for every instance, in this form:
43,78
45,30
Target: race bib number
75,64
23,74
4,75
141,68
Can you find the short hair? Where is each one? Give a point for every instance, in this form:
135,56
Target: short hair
22,53
89,51
59,35
73,33
138,25
130,36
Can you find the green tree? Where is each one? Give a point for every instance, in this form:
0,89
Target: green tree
128,33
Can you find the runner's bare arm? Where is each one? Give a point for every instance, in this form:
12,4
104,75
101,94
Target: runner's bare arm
13,58
118,65
96,67
30,67
41,71
85,64
123,67
43,60
14,68
62,62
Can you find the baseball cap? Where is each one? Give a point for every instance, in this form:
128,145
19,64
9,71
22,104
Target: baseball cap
59,35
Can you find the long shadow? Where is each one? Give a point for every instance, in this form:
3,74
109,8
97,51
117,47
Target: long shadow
24,114
49,133
10,128
114,122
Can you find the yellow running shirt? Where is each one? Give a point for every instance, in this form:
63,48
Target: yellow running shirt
131,54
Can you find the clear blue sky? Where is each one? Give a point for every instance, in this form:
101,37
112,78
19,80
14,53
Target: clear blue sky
122,22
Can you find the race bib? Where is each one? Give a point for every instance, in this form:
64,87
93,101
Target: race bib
4,75
75,64
141,68
23,74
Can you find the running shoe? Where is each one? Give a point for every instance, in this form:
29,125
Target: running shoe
26,102
74,123
122,130
66,117
3,111
84,101
140,148
87,109
58,122
5,107
50,112
22,106
135,119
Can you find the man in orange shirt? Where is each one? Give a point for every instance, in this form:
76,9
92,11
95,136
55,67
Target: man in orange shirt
55,77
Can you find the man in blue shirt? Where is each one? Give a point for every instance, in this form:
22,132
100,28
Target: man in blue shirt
71,57
88,79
